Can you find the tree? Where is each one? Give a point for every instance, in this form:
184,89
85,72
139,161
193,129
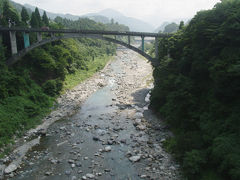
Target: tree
34,22
45,19
10,14
24,15
112,21
171,28
181,25
38,17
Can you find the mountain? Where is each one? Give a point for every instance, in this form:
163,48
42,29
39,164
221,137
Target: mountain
53,15
161,27
103,16
133,23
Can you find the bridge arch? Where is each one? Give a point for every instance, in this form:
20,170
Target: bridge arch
20,54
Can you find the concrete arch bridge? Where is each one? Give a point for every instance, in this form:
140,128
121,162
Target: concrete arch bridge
58,34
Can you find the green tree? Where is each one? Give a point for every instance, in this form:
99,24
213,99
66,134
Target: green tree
181,26
10,14
34,22
24,15
45,19
171,28
38,17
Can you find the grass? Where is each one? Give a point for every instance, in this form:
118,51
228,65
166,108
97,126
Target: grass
79,76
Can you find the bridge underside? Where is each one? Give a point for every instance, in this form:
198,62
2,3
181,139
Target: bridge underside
17,56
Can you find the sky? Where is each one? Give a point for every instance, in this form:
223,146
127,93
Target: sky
151,11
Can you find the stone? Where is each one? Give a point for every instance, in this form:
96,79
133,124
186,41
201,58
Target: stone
48,173
90,176
67,172
95,138
141,127
123,141
10,168
143,176
139,115
135,158
71,161
11,175
2,167
107,148
78,164
110,142
84,177
62,128
74,178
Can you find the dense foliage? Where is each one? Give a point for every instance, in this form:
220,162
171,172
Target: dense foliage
28,89
197,92
171,28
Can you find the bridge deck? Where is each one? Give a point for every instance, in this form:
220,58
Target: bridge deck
121,33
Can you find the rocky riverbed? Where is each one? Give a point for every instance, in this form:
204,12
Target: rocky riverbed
105,131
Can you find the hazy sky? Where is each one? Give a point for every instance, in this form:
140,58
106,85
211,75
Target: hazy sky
152,11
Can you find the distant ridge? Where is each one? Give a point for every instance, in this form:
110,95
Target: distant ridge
103,16
133,23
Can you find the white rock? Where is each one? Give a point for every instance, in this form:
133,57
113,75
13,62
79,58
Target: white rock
141,127
10,168
135,158
107,148
90,176
139,115
143,176
84,177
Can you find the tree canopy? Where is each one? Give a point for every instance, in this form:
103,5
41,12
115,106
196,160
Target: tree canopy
24,15
197,92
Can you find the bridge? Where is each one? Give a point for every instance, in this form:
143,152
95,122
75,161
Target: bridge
58,34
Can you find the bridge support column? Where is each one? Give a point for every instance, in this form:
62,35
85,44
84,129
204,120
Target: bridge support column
26,40
115,37
13,42
156,47
52,35
142,43
39,36
129,40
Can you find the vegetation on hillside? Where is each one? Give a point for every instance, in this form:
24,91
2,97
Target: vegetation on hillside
171,28
29,88
197,92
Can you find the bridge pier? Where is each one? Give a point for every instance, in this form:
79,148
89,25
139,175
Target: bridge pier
129,40
52,35
13,42
156,47
143,42
26,40
39,36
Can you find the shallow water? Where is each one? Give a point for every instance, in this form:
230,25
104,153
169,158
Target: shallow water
72,138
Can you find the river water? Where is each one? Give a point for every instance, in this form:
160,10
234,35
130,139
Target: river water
111,126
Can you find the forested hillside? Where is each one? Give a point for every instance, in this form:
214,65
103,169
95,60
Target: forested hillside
29,88
197,93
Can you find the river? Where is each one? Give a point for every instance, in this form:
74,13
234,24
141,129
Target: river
111,135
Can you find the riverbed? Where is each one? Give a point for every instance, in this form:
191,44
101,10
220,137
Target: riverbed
106,132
